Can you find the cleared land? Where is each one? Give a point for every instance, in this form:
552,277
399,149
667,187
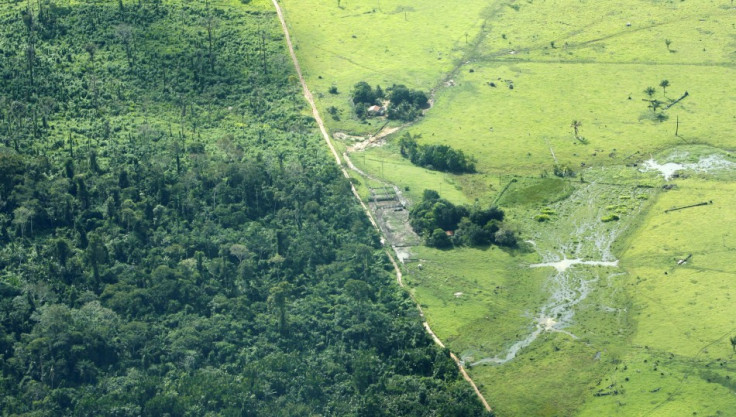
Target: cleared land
644,337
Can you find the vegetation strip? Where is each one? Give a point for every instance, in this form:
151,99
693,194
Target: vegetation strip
320,123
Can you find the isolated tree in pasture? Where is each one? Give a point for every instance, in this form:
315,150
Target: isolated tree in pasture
664,84
655,105
733,343
668,42
576,124
650,91
363,93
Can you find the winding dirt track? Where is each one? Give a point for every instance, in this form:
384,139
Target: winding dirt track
320,123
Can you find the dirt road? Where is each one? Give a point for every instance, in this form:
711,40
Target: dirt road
320,123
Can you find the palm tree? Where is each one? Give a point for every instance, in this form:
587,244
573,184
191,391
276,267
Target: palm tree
664,84
650,91
655,105
576,125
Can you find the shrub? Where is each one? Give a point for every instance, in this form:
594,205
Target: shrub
610,218
548,210
334,112
563,170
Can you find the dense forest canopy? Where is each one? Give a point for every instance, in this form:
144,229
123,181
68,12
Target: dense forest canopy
174,239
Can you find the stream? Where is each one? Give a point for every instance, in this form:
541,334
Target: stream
576,264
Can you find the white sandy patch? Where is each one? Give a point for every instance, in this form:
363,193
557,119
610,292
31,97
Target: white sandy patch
705,164
562,265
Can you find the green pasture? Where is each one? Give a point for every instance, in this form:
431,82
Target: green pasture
699,33
533,191
598,78
412,180
470,300
653,337
697,292
482,301
679,360
383,42
519,130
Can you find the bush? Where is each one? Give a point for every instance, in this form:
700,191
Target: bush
563,170
334,112
610,218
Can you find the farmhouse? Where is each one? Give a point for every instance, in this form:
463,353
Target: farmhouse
375,110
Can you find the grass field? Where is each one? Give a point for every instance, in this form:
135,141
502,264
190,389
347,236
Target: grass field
514,130
391,167
680,360
650,337
383,42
